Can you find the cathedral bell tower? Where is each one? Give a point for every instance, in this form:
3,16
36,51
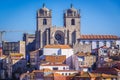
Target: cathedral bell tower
44,22
72,24
44,18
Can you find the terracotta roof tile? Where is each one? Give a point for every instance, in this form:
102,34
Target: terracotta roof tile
54,74
16,54
83,54
65,71
92,37
83,74
108,75
58,46
42,70
53,64
106,70
94,75
54,58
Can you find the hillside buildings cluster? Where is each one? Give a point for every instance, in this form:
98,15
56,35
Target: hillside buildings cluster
61,53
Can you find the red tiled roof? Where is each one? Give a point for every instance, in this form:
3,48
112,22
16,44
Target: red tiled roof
55,59
53,65
92,37
106,70
83,54
64,71
58,46
42,70
54,74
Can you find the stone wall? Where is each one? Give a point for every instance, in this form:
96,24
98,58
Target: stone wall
82,48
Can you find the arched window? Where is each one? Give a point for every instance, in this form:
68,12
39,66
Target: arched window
44,21
73,22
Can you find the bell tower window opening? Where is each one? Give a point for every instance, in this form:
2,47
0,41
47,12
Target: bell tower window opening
73,22
41,13
44,21
69,13
45,13
74,13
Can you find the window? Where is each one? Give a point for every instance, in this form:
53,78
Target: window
74,13
83,42
118,46
59,52
63,68
82,63
97,43
45,13
55,68
69,13
69,73
44,21
66,74
73,22
90,42
111,43
105,51
104,43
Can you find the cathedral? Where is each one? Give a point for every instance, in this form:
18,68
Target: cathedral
68,34
48,34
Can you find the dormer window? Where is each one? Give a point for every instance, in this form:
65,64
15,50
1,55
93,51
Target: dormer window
73,22
44,21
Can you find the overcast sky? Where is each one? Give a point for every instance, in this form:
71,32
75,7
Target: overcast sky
97,16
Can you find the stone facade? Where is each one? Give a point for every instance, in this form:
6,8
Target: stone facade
98,41
82,48
83,61
14,47
55,58
29,42
69,33
48,34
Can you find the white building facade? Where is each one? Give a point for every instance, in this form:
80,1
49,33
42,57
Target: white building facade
59,50
97,41
54,67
